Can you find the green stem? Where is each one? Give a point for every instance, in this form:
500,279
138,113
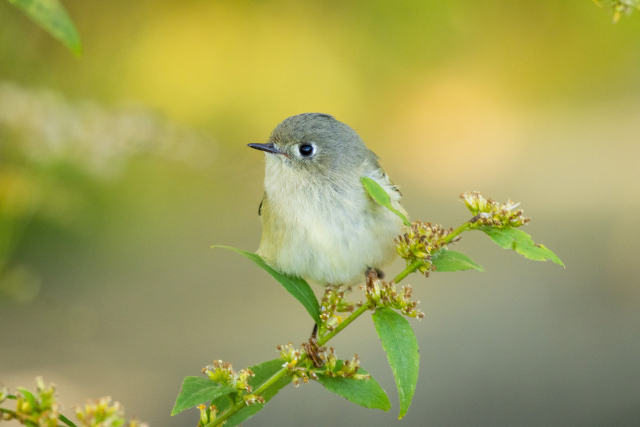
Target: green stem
353,316
21,420
407,271
455,233
9,411
322,341
281,373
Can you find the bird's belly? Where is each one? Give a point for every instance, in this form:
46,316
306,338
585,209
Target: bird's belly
328,248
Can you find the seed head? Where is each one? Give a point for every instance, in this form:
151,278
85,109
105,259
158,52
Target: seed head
419,243
488,212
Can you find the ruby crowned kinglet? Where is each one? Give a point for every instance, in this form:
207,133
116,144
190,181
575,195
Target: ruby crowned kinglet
318,221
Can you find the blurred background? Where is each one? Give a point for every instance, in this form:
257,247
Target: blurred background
120,169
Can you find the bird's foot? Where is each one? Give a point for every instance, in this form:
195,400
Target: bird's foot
313,350
379,274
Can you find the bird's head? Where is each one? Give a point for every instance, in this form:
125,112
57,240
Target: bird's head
316,144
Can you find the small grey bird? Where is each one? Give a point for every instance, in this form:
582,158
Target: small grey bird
318,221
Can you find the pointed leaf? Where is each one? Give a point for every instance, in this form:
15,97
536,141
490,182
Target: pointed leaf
401,346
294,285
521,242
197,390
66,420
381,197
29,397
51,15
263,372
367,393
446,260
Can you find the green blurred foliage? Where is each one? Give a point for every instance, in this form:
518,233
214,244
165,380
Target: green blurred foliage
56,159
51,15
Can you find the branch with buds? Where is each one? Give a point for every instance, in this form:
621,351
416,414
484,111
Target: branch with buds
234,397
41,409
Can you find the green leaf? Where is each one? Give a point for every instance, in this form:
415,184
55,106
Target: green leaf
51,15
401,346
294,285
367,393
66,420
29,397
521,242
446,260
382,197
197,390
263,372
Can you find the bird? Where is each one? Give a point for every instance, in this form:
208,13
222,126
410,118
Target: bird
318,221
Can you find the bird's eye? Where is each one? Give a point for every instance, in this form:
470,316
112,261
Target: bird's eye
306,150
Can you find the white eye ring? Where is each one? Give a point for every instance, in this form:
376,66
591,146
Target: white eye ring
306,149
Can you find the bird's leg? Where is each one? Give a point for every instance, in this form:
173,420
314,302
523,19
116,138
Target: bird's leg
371,276
379,274
313,350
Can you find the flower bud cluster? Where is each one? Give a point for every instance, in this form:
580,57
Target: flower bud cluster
290,355
383,294
223,373
491,213
41,409
302,374
207,415
334,301
38,408
348,369
421,241
319,361
300,370
101,413
253,398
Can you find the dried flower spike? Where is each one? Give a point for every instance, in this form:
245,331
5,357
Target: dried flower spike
223,373
334,301
488,212
383,294
419,243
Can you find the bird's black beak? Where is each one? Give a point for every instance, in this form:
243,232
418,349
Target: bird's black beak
269,148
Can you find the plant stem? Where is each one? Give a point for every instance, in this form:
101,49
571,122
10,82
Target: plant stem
9,411
353,316
407,271
281,373
346,322
455,233
21,420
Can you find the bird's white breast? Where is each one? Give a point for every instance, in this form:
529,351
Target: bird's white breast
329,232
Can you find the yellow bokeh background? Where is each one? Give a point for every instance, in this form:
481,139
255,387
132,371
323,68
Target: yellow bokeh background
120,169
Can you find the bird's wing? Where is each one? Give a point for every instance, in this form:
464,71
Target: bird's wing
373,170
